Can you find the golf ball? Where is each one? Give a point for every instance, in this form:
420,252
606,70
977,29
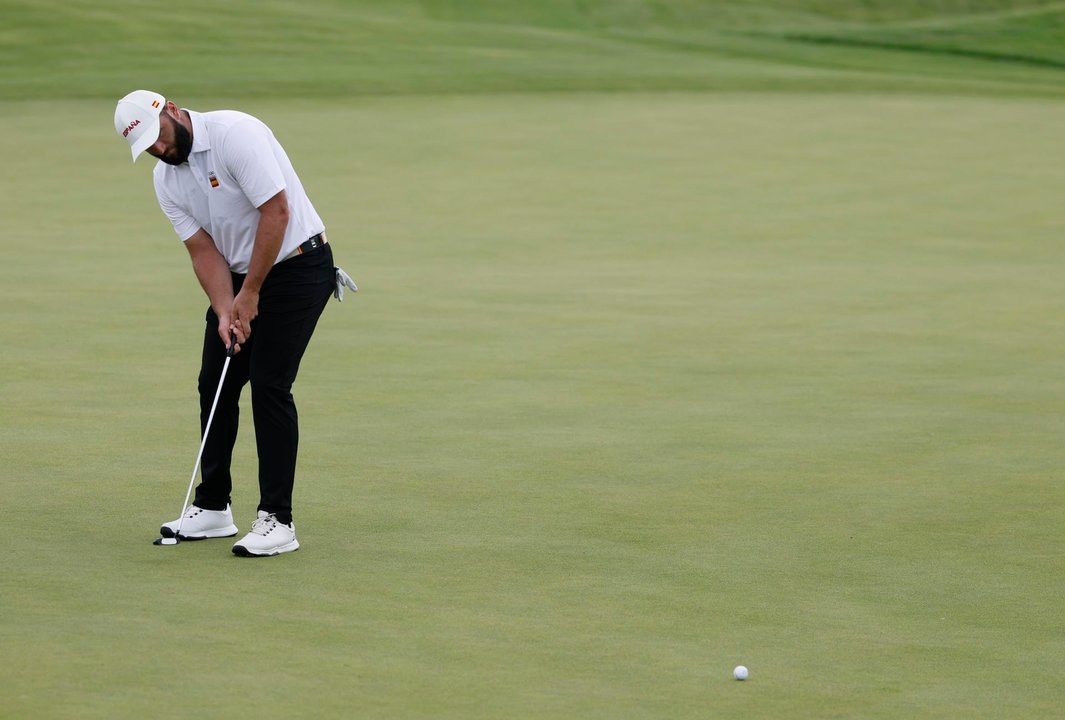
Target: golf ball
740,673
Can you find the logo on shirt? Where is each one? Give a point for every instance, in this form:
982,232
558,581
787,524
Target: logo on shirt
213,180
130,127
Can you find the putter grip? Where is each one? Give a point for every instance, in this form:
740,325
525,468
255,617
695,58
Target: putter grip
232,344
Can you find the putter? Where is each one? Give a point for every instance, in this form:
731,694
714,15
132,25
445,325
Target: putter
199,456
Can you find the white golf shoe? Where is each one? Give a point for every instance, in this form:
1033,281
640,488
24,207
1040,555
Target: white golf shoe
200,524
267,537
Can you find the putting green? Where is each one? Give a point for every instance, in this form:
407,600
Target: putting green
638,388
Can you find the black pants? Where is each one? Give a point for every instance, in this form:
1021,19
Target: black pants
291,300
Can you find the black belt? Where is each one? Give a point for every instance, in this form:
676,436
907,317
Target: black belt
312,244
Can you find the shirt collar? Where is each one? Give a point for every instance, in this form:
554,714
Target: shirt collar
201,139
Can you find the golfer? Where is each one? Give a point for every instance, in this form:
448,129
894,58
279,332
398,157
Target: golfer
259,251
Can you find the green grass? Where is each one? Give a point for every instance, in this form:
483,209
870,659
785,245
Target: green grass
274,48
641,384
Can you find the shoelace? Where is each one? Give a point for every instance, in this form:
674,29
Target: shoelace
262,526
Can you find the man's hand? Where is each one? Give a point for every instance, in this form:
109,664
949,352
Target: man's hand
245,309
225,334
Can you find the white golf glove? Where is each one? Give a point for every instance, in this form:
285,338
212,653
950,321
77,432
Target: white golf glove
344,281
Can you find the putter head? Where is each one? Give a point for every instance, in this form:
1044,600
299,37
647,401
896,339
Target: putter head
166,541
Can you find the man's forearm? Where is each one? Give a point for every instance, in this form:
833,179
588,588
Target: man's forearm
213,273
269,235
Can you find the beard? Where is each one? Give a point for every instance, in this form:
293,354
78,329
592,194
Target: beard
182,144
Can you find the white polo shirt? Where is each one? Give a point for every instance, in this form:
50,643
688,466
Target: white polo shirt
235,166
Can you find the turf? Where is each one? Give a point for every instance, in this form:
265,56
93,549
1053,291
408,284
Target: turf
333,49
666,359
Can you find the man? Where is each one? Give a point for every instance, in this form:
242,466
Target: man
259,251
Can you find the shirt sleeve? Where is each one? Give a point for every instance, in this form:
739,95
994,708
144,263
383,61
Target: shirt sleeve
248,155
184,224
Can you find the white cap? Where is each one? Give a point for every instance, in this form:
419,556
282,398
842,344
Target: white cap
137,119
